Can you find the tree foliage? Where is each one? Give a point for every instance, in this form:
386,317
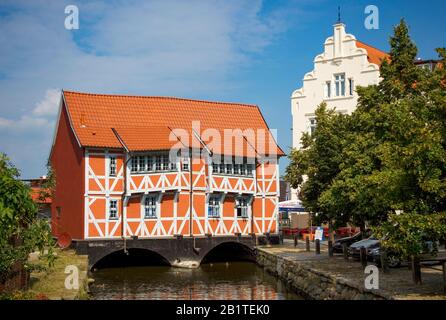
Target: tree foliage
20,231
407,235
389,154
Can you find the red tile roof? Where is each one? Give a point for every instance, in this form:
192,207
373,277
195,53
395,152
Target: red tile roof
35,195
145,123
374,55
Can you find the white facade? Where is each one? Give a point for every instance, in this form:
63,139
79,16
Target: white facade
337,71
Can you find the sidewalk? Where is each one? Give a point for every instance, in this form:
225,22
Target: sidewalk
397,283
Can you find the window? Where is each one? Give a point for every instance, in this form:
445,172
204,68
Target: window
233,168
158,163
142,164
172,165
134,164
237,169
150,207
241,207
214,206
113,209
312,127
149,163
113,166
58,212
328,89
351,86
340,84
185,164
249,169
165,160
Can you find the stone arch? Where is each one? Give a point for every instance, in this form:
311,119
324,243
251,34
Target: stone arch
228,250
132,256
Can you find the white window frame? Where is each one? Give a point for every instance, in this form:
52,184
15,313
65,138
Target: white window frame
112,166
149,163
311,125
142,164
146,206
340,84
185,164
327,89
242,203
351,85
113,209
134,165
158,163
214,206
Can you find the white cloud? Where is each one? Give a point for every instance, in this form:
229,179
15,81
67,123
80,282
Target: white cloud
49,105
177,48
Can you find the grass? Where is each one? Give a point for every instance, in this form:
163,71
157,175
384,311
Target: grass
50,283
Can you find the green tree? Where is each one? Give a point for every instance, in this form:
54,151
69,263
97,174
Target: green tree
313,167
390,154
20,231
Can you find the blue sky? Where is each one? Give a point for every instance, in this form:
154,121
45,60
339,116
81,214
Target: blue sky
245,51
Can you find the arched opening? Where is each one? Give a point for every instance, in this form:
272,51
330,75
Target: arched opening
229,251
131,258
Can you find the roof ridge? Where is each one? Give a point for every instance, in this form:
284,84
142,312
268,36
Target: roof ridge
160,97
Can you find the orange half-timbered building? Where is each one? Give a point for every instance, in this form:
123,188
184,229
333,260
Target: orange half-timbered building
157,167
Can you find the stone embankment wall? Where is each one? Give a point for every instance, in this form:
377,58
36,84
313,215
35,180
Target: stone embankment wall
313,284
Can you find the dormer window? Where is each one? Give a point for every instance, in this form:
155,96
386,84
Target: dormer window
237,168
340,84
152,163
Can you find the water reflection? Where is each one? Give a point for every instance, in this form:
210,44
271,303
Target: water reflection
214,281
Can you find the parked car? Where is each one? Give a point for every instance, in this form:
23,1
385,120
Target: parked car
368,244
337,245
393,261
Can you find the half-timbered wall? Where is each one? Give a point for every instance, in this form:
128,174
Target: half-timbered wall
171,190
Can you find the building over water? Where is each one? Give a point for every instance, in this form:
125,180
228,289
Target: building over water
345,63
152,167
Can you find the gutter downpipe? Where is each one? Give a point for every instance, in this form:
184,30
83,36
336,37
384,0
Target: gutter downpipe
190,183
210,153
124,195
255,182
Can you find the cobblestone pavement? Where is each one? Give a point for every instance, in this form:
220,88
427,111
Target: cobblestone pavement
397,282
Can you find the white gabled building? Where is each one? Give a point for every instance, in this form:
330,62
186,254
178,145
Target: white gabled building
344,64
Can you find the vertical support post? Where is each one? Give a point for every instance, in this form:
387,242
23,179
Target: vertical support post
318,246
345,251
416,270
295,240
444,277
383,258
307,244
363,256
330,248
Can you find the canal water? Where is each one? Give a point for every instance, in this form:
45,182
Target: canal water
211,281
